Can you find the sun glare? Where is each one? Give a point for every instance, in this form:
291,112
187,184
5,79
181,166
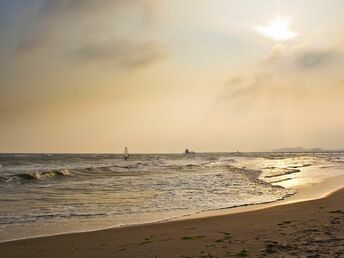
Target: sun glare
277,29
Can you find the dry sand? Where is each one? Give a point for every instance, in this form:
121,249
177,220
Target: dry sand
304,229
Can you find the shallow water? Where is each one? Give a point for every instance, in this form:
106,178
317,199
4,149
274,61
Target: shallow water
43,194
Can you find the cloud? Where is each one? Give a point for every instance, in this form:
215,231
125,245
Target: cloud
285,73
127,54
310,59
237,80
304,58
30,45
81,8
277,52
90,30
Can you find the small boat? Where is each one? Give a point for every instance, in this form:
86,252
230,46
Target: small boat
187,151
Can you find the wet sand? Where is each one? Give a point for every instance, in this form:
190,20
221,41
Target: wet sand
303,229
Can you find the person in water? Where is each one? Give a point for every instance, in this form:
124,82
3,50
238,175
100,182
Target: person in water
126,153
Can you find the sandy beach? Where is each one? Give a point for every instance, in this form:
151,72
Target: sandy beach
305,229
171,129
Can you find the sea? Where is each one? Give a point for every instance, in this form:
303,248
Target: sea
49,194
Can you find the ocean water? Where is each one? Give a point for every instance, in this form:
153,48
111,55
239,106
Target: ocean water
45,194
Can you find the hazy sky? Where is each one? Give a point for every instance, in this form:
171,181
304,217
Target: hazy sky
160,76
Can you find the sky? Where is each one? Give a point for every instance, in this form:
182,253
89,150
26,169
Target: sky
93,76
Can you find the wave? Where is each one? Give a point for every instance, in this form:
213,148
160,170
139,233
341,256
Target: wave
283,173
280,181
300,166
133,167
36,176
7,220
129,166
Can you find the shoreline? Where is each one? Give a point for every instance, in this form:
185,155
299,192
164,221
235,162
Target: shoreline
305,193
267,226
297,229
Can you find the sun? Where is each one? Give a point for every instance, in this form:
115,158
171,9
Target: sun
277,29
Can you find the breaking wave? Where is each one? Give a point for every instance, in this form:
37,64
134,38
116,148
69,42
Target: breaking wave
36,176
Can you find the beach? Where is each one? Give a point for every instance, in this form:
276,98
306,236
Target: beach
169,128
50,194
311,228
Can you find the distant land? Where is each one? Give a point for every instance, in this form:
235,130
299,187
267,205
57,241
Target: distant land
302,149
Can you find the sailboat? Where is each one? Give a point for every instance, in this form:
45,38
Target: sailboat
126,153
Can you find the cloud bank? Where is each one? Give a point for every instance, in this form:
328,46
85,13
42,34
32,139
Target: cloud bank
285,69
93,31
